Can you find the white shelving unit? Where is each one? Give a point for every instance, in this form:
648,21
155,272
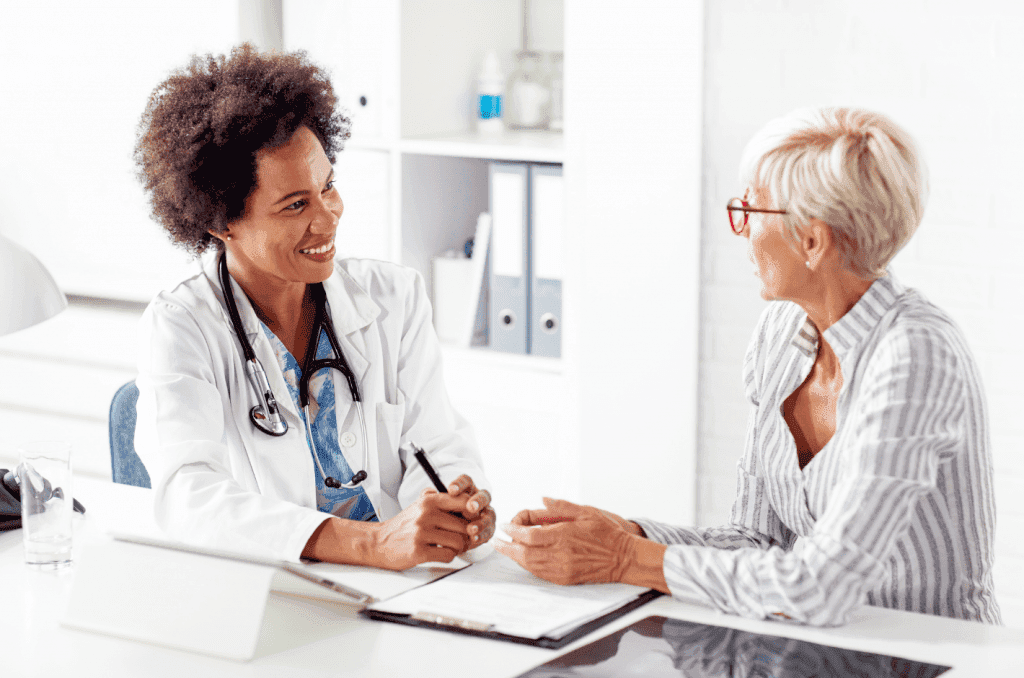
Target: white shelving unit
511,146
613,422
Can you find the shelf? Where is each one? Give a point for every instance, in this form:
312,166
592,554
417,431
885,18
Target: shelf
515,146
369,144
484,357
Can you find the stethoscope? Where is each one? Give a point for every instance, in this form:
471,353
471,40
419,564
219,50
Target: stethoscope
265,415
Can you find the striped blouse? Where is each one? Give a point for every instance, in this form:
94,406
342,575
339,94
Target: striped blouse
897,510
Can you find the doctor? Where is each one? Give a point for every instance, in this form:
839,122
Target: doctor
236,155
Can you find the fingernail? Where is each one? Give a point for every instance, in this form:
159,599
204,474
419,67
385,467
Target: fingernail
453,489
474,507
476,538
473,529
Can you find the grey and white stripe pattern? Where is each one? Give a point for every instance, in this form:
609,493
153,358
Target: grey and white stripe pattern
897,509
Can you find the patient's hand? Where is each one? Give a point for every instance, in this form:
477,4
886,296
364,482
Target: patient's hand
570,544
560,511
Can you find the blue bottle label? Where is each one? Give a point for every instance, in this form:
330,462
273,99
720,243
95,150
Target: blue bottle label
490,106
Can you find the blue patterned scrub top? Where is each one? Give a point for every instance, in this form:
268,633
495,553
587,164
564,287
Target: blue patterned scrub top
352,504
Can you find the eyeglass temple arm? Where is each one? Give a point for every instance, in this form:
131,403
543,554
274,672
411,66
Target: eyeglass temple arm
733,208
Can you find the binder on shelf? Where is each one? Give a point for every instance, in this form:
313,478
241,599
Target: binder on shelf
510,275
546,226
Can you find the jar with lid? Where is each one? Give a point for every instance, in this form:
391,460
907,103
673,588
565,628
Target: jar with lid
528,96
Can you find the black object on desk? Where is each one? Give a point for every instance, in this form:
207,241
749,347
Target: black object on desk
10,499
659,646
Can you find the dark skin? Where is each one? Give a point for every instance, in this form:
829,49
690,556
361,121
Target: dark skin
283,243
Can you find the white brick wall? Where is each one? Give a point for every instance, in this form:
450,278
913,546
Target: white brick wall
952,73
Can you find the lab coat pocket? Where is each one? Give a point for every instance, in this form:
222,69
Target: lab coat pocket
390,419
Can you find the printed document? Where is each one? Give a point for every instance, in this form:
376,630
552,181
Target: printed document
496,592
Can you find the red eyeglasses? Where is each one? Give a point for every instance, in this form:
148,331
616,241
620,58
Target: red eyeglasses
739,214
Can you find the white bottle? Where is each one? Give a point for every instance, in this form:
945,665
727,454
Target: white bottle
490,85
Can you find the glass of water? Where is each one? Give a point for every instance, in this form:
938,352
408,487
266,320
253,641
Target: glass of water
44,475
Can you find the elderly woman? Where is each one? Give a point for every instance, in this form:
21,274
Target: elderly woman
252,441
866,475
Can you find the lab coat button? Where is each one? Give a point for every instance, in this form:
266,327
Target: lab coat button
348,439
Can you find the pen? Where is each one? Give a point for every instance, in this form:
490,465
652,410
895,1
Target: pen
421,457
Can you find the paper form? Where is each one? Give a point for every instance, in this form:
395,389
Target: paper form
381,584
498,592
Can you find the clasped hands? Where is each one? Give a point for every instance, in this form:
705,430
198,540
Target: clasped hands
437,527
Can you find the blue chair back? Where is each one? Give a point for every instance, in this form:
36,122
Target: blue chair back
125,465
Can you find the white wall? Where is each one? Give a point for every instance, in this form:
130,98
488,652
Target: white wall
951,73
74,81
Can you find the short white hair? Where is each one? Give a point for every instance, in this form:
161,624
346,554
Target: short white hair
855,170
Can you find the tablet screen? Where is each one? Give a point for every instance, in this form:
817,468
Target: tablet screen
658,646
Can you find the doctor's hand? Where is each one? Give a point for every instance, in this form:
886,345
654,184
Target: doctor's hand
477,509
585,545
426,531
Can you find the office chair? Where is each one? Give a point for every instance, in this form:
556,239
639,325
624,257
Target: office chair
125,465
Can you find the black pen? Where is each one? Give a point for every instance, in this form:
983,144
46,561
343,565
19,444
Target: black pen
421,457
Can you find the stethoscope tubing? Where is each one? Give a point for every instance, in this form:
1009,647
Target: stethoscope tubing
266,415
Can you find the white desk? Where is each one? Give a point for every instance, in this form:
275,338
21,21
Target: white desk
301,637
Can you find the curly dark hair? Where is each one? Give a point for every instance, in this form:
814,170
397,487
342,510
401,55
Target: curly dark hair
197,141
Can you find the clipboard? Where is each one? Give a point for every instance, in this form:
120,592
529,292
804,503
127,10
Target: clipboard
585,611
470,628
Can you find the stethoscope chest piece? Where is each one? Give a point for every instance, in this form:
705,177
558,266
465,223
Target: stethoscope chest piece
260,421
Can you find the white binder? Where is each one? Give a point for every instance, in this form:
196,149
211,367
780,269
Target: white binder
510,275
547,219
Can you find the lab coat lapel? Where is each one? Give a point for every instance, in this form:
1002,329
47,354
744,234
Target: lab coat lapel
352,311
257,339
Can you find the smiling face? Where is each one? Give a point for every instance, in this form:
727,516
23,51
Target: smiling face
285,238
780,265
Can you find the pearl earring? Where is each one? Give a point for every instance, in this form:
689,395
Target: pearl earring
229,238
807,263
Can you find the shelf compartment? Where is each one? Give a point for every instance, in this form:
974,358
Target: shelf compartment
537,146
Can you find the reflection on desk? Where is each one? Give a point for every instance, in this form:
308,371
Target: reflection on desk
658,646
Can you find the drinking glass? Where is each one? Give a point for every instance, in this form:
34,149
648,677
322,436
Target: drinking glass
44,475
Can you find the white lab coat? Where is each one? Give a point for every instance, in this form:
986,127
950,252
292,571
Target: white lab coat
220,482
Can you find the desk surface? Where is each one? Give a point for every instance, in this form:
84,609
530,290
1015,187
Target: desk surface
304,637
